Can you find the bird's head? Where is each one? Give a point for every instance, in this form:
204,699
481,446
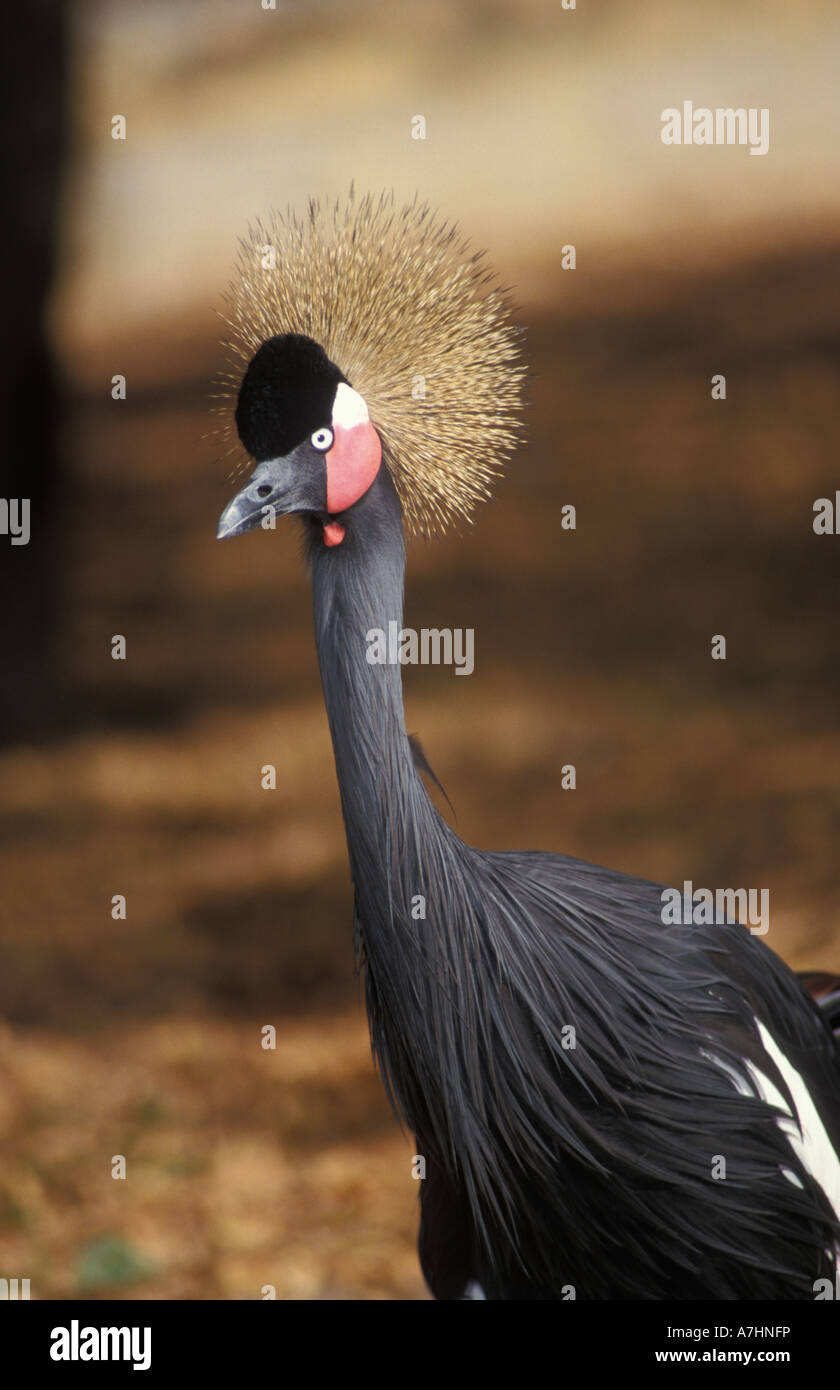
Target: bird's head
310,434
363,337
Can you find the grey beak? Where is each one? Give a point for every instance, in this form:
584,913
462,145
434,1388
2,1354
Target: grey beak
238,517
267,487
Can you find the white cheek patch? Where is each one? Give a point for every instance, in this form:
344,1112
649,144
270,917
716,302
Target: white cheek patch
349,408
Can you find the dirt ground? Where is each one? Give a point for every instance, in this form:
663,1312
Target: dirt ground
249,1167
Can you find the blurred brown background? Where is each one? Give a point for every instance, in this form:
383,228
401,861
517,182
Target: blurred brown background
249,1167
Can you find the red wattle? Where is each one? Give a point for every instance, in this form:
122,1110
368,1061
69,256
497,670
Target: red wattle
333,533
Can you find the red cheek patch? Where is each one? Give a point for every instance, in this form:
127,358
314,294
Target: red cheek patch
352,464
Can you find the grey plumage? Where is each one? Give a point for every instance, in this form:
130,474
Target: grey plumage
590,1166
549,1166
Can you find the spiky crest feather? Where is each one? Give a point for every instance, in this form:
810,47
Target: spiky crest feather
415,321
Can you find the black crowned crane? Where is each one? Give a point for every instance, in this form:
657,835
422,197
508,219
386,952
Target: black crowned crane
377,380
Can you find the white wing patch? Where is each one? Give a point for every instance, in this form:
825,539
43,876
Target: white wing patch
473,1291
808,1138
803,1126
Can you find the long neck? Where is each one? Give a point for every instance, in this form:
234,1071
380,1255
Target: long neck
415,880
393,829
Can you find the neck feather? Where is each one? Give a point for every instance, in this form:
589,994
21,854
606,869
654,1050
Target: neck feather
358,587
417,930
421,893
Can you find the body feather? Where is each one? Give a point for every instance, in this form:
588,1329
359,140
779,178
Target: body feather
552,1166
575,1070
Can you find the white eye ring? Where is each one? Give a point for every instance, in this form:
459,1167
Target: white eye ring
322,440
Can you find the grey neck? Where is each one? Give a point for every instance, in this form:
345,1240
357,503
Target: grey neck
391,824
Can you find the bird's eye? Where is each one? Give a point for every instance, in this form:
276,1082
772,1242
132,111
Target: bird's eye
322,439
